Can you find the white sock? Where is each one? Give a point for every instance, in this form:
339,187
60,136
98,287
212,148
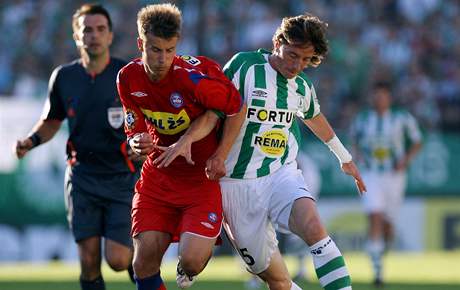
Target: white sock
329,265
375,250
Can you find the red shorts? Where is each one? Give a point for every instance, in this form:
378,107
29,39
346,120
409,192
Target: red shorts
199,211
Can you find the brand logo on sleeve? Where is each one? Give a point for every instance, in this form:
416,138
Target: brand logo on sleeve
191,60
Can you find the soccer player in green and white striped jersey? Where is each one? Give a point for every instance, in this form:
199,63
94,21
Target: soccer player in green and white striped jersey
379,136
263,188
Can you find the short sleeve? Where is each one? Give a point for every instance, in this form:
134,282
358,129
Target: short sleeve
134,119
54,106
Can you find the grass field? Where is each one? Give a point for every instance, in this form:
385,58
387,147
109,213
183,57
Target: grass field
429,271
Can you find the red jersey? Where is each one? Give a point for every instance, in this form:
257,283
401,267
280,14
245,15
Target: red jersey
165,109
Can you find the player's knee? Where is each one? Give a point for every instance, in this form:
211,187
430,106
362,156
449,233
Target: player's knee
191,265
118,263
89,261
144,267
279,284
313,230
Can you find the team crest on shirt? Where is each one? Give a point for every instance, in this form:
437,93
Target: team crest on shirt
130,118
212,217
176,100
115,117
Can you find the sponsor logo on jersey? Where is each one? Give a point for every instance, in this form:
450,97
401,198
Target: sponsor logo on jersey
176,100
139,94
208,225
191,60
130,118
270,116
259,94
212,217
115,117
168,123
271,143
381,153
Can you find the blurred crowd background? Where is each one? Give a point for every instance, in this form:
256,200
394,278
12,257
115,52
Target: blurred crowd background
414,44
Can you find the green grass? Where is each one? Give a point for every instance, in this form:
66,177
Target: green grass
403,271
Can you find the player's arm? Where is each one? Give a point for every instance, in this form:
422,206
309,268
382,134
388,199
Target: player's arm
200,128
138,138
42,132
323,130
50,121
415,137
215,166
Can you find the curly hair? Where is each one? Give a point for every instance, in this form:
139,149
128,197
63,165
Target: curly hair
302,30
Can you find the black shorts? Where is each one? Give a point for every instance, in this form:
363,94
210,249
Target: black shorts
99,205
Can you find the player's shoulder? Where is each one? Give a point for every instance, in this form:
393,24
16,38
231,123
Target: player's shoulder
199,63
66,70
135,66
400,112
250,57
117,63
364,114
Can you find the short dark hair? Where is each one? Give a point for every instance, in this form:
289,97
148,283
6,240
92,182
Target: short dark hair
90,9
305,29
162,20
384,85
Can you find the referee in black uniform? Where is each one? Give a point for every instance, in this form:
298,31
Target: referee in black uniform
100,175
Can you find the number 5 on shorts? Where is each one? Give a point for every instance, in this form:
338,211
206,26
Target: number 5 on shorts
248,259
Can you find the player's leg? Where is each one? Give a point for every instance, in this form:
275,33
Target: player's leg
149,248
118,256
251,233
374,203
329,264
89,252
194,254
85,220
201,224
117,231
277,275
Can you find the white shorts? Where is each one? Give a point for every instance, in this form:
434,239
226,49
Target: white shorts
254,208
385,192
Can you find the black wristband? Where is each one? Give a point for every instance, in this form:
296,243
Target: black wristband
36,139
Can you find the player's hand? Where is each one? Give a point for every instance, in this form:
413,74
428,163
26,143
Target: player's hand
351,169
401,165
22,147
215,167
141,143
134,157
183,147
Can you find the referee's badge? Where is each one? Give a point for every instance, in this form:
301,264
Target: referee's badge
115,116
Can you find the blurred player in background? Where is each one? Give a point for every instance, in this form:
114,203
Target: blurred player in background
263,188
100,176
379,138
170,102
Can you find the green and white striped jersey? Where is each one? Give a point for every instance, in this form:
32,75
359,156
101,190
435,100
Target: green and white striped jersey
269,136
381,140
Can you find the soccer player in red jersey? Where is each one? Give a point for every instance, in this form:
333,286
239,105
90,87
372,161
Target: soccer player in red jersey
171,102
